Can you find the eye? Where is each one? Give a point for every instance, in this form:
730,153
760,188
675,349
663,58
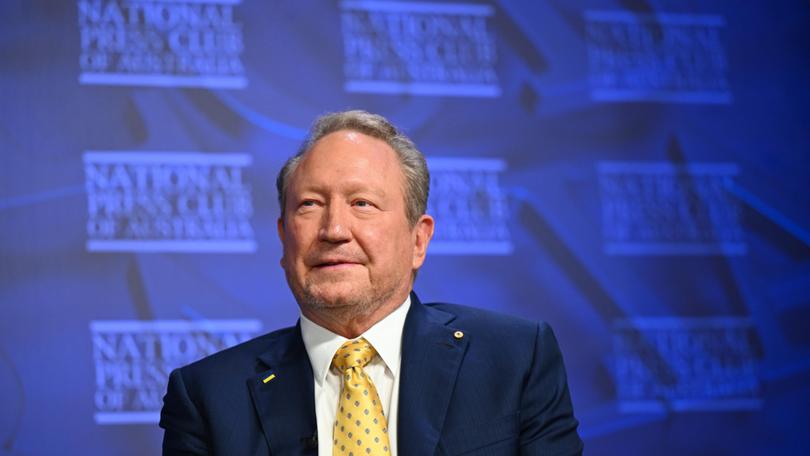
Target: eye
307,204
363,204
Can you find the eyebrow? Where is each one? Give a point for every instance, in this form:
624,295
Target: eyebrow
350,187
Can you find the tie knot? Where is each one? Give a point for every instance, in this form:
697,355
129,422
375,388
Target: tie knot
353,353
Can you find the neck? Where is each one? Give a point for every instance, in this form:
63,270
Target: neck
350,322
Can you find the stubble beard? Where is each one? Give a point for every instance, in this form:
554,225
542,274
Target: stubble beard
348,307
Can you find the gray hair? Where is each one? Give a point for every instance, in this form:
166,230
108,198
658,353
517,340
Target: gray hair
412,162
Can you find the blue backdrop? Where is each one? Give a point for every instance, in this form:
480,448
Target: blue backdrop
629,171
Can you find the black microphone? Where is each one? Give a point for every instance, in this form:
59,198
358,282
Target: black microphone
310,443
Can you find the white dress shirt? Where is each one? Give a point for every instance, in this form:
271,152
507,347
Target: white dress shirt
321,344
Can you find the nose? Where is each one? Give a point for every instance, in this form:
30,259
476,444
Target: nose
335,225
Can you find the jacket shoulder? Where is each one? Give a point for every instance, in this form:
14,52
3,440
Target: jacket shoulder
485,319
495,334
240,357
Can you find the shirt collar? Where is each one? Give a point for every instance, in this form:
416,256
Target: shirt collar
385,336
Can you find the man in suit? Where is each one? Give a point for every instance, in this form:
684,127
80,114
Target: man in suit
369,369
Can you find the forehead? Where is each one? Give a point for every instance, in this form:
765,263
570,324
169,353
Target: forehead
348,156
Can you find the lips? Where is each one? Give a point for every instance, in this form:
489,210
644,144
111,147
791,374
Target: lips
334,263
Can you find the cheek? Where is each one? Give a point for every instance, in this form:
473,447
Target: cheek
291,253
387,245
298,237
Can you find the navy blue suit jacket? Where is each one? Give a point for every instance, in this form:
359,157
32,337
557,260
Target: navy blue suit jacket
500,389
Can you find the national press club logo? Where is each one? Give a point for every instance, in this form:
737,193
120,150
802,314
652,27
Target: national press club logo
419,48
469,205
183,43
686,364
660,208
676,58
168,202
133,360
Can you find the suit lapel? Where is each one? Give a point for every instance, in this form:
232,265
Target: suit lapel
431,358
283,394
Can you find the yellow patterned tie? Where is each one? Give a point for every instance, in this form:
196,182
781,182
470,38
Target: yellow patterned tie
360,426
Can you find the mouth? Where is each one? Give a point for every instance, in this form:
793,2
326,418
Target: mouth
334,265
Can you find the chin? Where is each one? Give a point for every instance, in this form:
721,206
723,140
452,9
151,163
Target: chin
330,296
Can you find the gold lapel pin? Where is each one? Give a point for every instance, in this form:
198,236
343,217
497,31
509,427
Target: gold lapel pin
458,334
269,377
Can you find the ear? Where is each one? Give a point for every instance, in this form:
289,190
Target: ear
280,228
422,233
